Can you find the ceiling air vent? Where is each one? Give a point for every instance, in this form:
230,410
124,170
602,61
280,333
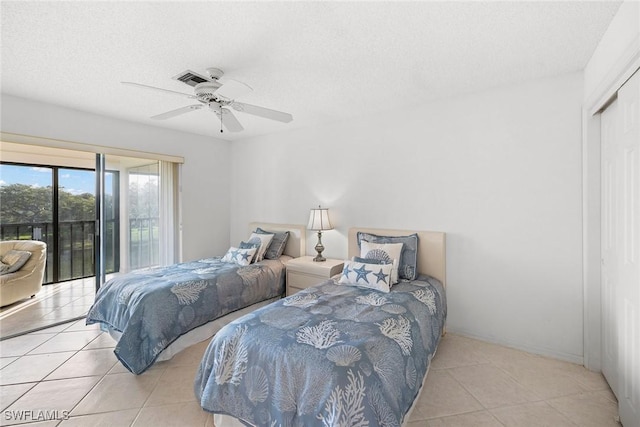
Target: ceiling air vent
190,78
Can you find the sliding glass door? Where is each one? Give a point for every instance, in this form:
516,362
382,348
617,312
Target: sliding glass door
50,194
56,205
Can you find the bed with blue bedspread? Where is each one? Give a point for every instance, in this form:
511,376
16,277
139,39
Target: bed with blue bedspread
151,309
331,355
157,313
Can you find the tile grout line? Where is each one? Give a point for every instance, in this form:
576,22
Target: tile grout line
512,378
88,391
528,403
139,410
583,389
45,378
470,394
464,388
42,380
543,400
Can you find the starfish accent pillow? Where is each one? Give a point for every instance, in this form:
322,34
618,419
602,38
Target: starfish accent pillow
373,276
239,256
387,252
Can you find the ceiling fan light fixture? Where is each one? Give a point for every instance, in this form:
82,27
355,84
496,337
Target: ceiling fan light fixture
206,91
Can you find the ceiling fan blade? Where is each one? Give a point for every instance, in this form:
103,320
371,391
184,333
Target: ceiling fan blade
228,119
262,112
159,89
232,89
177,112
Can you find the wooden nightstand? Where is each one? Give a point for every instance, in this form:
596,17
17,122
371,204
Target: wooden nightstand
304,272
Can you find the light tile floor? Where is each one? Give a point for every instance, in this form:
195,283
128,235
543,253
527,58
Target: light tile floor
471,383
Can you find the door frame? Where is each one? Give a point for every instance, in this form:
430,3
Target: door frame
98,244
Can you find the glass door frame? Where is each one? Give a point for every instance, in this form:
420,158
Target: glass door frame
99,241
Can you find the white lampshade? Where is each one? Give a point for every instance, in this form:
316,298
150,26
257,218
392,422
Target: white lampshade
319,220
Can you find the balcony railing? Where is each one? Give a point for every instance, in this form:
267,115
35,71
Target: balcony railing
75,258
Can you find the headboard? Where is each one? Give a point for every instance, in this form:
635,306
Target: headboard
296,244
432,252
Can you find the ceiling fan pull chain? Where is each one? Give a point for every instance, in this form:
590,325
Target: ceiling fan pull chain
221,119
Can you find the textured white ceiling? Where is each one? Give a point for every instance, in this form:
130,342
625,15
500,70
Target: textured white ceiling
320,61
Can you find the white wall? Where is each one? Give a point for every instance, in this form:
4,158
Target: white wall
205,188
499,171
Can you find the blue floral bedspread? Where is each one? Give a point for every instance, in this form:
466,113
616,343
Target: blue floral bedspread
153,308
331,355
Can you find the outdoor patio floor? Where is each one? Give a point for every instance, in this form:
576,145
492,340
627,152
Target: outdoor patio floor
55,303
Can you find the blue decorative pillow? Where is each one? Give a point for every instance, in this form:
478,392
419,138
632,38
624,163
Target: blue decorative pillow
408,268
239,256
374,276
276,247
247,245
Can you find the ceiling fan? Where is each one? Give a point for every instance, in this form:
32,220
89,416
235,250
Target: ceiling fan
218,97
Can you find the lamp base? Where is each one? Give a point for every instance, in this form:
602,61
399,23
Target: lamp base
319,248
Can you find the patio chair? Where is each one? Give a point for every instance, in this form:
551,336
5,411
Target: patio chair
26,281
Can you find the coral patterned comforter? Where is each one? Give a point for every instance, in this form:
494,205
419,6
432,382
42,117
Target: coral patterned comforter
153,308
333,354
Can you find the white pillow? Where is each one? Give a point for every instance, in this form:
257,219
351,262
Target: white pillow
374,276
264,240
388,252
239,256
394,269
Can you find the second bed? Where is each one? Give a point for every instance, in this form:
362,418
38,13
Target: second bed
154,314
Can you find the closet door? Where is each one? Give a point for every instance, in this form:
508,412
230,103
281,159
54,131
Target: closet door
621,249
629,274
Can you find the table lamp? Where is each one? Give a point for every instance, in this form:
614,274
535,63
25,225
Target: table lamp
319,221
